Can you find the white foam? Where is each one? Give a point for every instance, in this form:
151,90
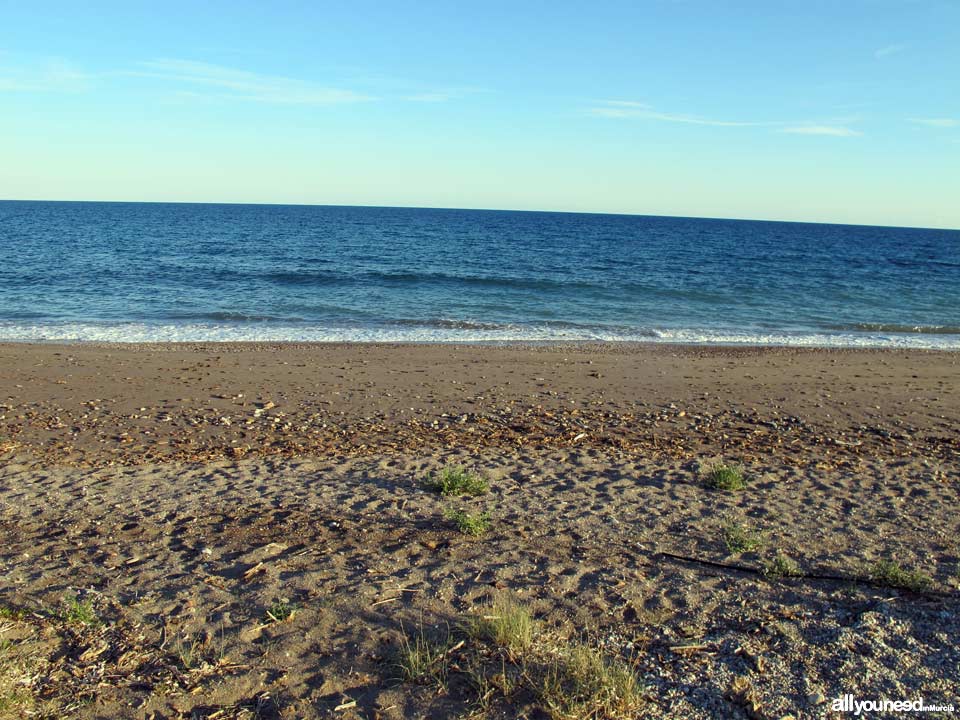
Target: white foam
212,332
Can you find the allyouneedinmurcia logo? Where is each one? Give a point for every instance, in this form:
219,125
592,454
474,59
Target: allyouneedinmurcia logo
849,704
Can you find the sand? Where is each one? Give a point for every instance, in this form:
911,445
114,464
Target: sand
179,494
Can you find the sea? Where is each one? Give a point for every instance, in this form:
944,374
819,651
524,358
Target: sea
143,272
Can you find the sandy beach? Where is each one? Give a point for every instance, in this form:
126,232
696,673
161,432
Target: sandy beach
238,530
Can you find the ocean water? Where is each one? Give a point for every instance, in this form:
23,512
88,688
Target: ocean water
186,272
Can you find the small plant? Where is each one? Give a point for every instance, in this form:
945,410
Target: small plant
457,481
189,651
469,523
579,682
421,660
79,612
502,679
741,538
202,651
281,610
723,476
780,566
890,573
20,666
9,613
506,623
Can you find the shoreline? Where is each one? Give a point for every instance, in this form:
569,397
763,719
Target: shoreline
811,340
580,345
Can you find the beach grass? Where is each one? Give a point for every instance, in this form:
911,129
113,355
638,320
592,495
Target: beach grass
506,623
580,682
11,613
422,659
79,612
739,538
457,480
281,610
725,476
506,655
474,524
15,700
892,574
780,566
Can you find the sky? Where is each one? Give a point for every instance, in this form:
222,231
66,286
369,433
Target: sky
843,111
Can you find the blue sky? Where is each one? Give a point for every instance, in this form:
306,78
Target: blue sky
843,111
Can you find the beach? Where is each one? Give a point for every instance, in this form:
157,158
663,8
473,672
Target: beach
248,530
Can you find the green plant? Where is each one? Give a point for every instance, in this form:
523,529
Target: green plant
506,623
457,481
890,573
189,652
18,667
421,660
501,679
579,682
468,523
281,610
9,613
780,566
724,476
204,651
741,538
79,612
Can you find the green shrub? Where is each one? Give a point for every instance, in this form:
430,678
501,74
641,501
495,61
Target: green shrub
890,573
723,476
457,481
781,566
475,524
741,538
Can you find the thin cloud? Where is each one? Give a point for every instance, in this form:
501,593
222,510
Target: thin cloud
830,130
55,75
936,122
243,85
889,50
629,109
632,109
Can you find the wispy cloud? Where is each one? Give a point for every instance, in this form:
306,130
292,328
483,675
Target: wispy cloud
888,50
831,130
632,109
443,95
243,85
53,75
936,122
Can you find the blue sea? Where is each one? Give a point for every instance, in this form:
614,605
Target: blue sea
133,272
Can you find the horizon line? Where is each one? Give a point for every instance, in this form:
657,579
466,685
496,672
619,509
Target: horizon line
486,209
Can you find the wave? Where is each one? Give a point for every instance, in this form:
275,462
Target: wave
899,328
453,331
443,323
